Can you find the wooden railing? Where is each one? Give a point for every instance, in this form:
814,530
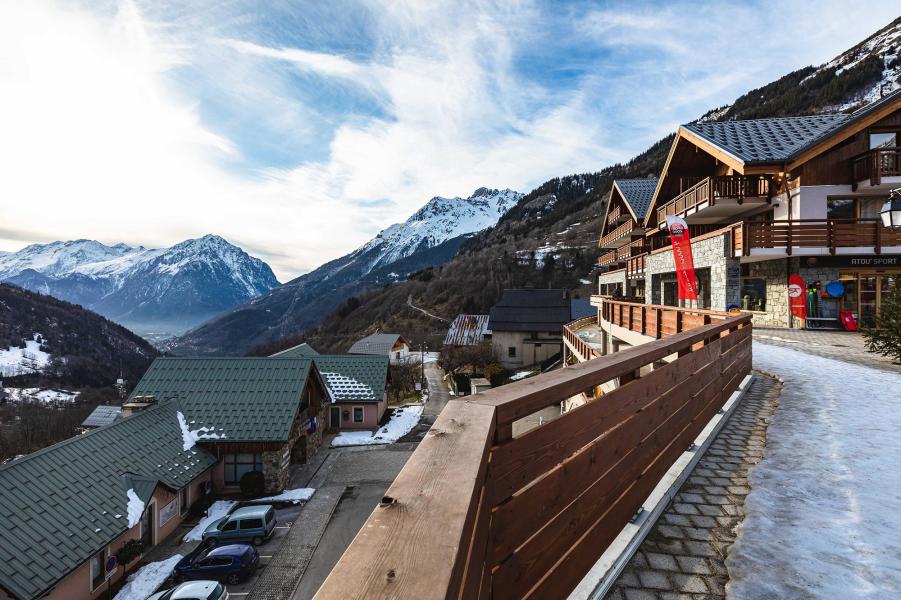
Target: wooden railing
655,320
607,259
477,513
829,233
709,189
618,233
636,265
876,164
614,215
580,346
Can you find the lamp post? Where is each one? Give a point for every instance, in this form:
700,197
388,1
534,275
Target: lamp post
891,210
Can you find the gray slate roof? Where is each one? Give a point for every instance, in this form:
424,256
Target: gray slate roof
467,330
104,414
376,343
61,505
299,351
242,399
581,308
530,310
354,377
638,194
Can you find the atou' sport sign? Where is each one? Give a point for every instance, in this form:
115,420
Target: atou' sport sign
797,299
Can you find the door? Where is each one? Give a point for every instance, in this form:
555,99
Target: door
868,299
335,418
147,526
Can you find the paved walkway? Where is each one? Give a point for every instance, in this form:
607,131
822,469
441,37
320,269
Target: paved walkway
438,398
841,345
684,555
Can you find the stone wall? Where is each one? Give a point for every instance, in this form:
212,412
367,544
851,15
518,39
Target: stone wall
275,469
775,272
616,277
725,273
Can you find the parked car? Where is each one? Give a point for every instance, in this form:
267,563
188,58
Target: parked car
193,590
231,563
253,524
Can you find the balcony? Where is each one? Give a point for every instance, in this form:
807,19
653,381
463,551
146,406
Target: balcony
714,199
623,234
636,266
622,254
828,236
477,512
871,167
656,321
582,338
616,215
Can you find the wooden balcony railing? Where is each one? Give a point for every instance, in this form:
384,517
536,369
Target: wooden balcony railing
636,265
876,164
479,513
607,259
614,215
580,346
619,233
633,249
655,320
829,233
709,189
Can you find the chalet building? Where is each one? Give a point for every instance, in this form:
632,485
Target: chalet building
766,199
527,325
390,344
357,386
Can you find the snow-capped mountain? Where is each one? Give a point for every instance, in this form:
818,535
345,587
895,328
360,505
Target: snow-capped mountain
164,290
430,237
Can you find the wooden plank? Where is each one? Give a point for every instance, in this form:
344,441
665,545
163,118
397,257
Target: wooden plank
589,475
522,398
413,546
536,559
475,581
521,460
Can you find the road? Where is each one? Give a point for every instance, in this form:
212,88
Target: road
423,311
438,398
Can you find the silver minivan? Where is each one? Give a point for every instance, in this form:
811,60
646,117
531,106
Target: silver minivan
253,524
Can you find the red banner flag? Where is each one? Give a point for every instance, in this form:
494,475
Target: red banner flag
685,266
797,296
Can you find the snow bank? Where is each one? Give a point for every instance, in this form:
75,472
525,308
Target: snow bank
520,375
190,437
824,500
401,423
294,496
216,511
18,361
41,395
143,582
135,508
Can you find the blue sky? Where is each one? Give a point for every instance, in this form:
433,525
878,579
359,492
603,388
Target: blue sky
300,129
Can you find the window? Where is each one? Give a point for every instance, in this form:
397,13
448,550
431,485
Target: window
252,524
358,414
883,140
840,208
753,294
183,500
98,569
397,355
511,352
230,526
237,465
870,207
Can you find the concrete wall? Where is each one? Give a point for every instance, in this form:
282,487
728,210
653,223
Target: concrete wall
526,354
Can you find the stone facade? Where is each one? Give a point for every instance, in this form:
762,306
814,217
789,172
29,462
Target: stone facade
775,273
725,273
275,468
613,278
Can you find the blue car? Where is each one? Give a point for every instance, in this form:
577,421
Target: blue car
230,563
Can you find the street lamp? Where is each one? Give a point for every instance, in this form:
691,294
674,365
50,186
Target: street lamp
891,210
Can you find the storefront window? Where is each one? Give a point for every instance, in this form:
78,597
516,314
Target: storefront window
237,465
753,294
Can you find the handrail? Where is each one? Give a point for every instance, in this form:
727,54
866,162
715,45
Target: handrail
580,346
617,233
876,163
480,513
709,189
819,233
655,320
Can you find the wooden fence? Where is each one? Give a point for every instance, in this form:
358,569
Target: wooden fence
477,513
657,321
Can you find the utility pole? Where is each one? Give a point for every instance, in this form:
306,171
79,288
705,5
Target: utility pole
421,365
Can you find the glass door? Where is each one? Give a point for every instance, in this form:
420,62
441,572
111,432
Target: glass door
868,298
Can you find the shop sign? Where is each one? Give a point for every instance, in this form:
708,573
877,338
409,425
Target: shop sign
685,267
869,261
797,296
168,511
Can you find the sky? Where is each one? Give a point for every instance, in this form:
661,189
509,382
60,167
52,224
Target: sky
299,129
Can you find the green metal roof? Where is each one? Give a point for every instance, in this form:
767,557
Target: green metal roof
354,378
300,351
61,505
231,399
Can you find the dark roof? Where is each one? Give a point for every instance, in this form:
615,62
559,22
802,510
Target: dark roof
300,351
638,193
239,399
61,505
104,414
354,377
467,330
581,308
530,310
376,343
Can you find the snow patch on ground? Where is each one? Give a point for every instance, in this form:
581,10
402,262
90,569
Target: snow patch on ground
143,582
823,504
216,511
20,361
521,375
401,423
41,395
190,437
294,496
135,508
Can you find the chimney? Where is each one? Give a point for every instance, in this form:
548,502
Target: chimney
137,404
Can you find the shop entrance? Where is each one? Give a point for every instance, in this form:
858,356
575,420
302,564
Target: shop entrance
865,292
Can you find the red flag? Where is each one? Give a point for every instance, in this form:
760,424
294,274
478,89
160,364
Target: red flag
685,266
797,297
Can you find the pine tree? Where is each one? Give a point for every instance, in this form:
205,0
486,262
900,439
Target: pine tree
885,337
